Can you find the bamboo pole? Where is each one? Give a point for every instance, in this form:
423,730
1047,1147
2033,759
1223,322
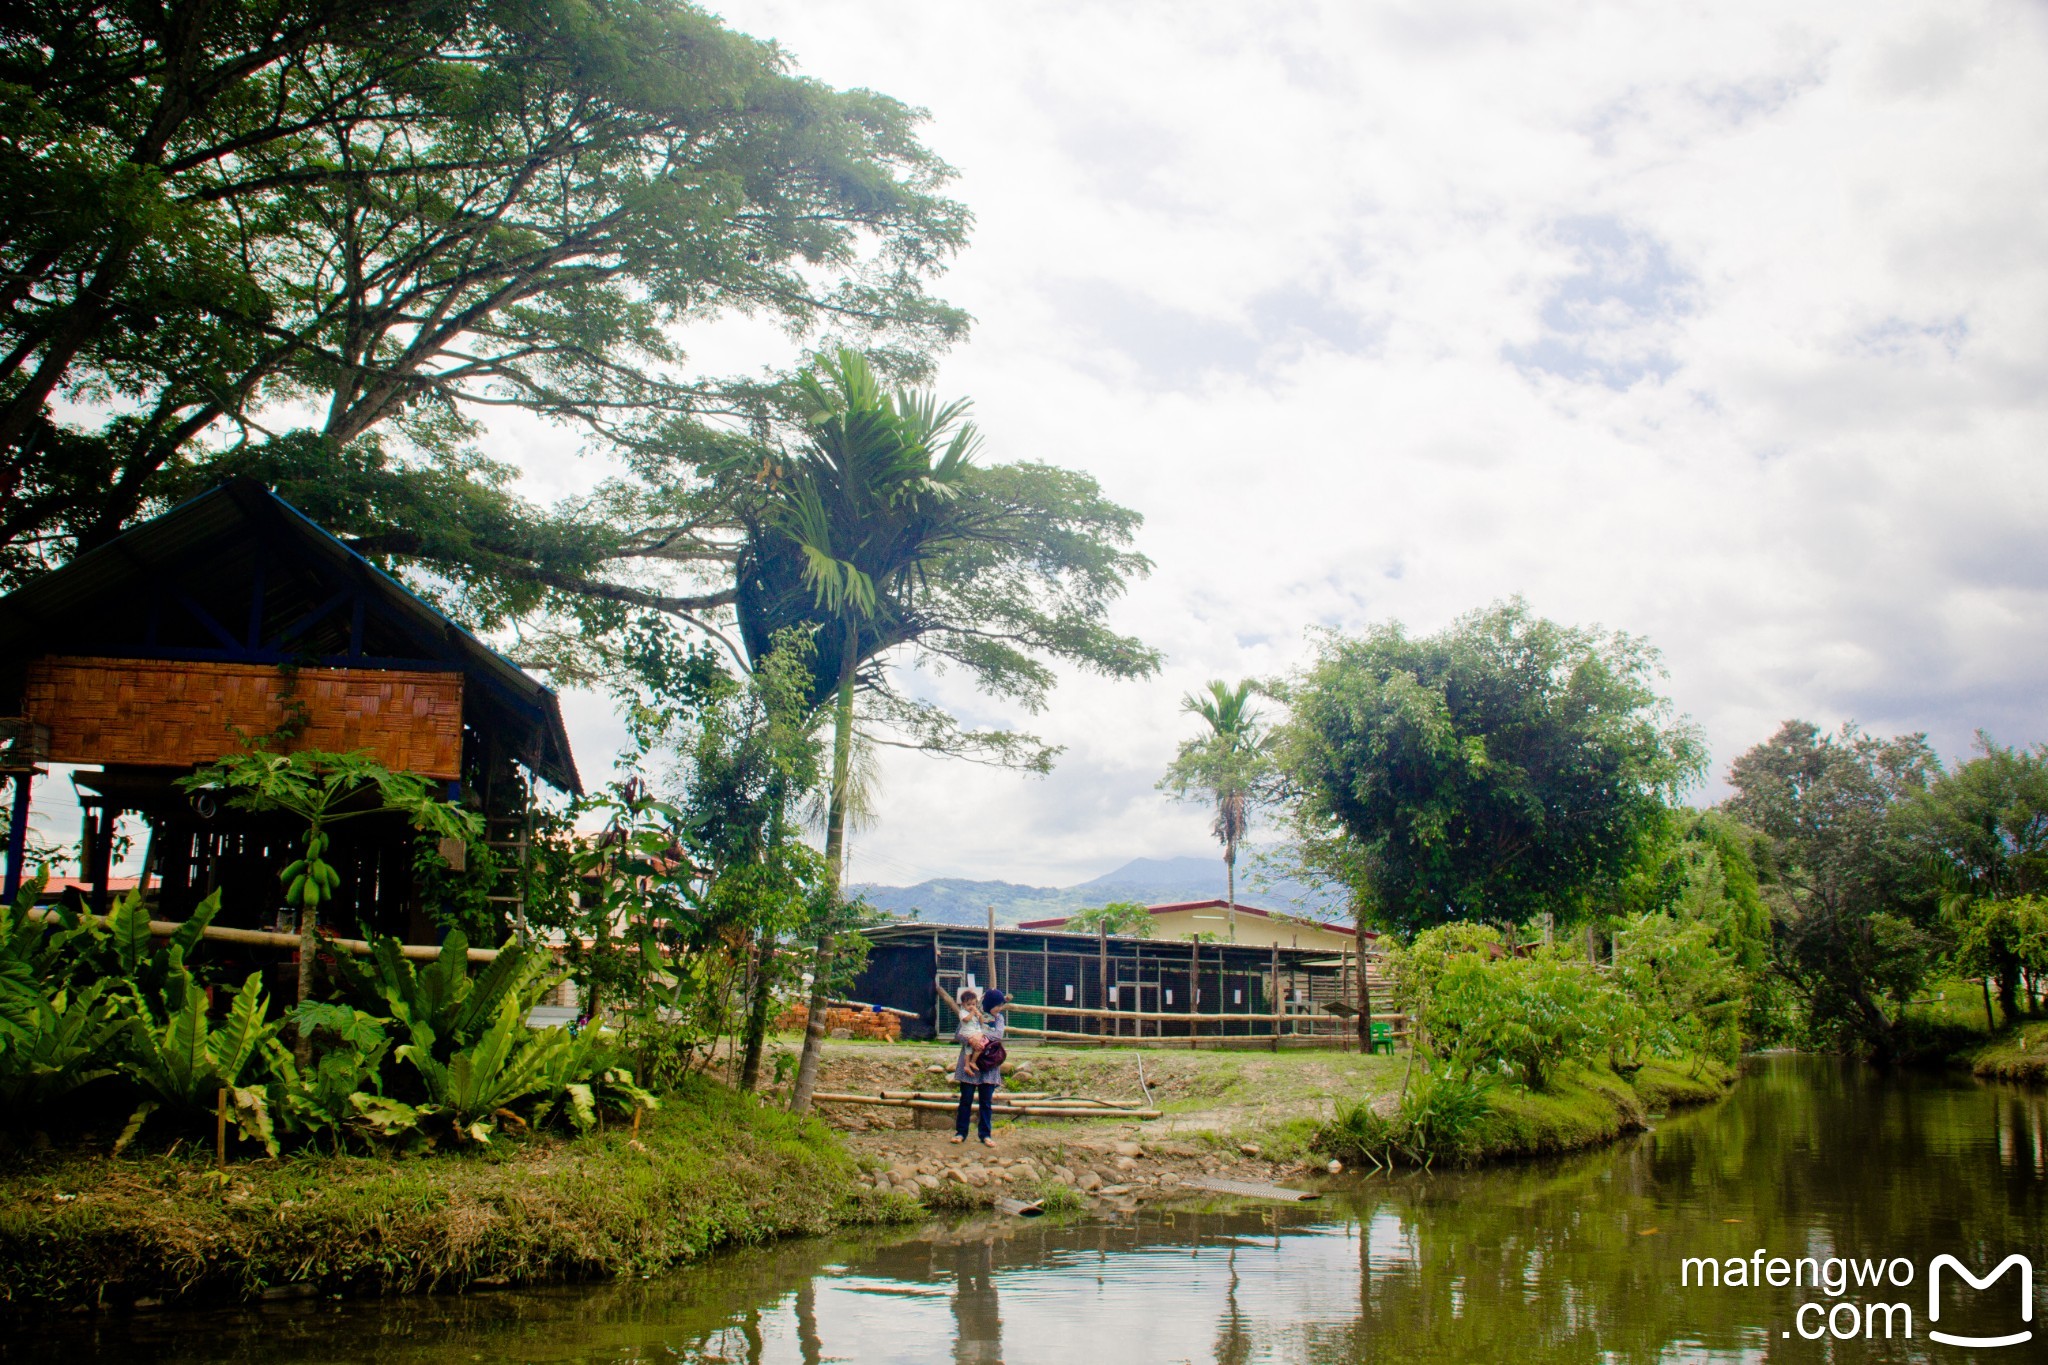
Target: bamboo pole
1026,1110
263,938
992,948
1102,962
1274,995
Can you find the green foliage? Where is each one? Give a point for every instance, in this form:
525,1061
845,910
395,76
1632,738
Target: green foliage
398,215
53,1043
1855,928
1506,767
1436,1117
508,1063
881,531
1118,917
184,1062
1980,831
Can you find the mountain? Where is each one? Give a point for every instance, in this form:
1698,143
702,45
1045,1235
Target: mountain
1149,881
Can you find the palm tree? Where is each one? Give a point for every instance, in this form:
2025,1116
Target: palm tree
1225,767
841,542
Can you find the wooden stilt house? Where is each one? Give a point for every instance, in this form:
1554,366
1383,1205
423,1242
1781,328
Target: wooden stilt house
233,616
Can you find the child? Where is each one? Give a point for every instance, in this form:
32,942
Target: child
971,1032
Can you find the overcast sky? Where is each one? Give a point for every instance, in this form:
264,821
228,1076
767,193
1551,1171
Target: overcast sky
1724,325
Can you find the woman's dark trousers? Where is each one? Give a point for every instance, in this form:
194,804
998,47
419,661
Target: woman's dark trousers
988,1103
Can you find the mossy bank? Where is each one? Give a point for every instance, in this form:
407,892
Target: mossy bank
2018,1054
710,1169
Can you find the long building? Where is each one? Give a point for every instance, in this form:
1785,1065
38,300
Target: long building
1054,976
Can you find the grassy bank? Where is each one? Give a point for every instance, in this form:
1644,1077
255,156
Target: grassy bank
710,1169
1587,1106
1581,1107
2018,1054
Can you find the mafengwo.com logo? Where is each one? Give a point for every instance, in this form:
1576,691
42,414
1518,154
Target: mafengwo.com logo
1847,1316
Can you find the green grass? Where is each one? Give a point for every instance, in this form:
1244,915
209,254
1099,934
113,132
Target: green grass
710,1169
1583,1106
2018,1054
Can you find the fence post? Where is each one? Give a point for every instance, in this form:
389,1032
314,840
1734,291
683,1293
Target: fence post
1273,996
1102,968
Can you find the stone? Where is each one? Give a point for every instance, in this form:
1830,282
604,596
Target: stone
954,1174
1250,1148
1090,1181
975,1176
901,1172
1063,1174
1009,1068
1124,1163
1335,1168
841,1033
1024,1170
1129,1149
935,1070
1110,1191
928,1180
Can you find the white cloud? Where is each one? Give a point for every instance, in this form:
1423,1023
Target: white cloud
1722,326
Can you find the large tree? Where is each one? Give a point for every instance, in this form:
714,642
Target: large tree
877,531
1851,921
319,243
1228,766
1981,830
1501,768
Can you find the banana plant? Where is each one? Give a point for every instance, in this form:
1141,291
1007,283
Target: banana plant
476,1086
184,1062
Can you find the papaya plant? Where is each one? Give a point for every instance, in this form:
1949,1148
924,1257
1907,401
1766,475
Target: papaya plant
323,790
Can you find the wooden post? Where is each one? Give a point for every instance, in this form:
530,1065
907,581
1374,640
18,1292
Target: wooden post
17,834
220,1127
1364,1000
1344,993
1194,991
1273,992
1592,945
1102,964
991,948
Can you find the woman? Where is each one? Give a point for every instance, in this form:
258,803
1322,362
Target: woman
981,1082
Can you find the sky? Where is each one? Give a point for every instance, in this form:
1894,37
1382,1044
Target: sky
1722,325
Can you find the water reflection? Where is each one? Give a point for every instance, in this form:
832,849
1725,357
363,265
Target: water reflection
1574,1260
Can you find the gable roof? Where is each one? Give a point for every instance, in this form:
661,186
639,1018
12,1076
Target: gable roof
1242,909
238,574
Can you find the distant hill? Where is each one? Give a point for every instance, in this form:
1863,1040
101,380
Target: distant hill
1149,881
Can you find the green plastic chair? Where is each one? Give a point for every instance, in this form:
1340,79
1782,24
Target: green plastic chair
1383,1038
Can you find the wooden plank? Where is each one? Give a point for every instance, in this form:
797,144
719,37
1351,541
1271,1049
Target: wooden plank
1250,1190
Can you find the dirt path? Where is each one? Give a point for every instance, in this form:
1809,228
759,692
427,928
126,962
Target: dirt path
1231,1115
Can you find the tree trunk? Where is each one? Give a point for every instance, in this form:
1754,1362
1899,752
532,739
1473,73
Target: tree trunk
757,1015
835,857
309,943
2009,988
1230,871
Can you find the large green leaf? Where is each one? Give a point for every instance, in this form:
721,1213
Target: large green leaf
128,931
187,935
242,1035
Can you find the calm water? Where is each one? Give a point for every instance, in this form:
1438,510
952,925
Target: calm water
1575,1260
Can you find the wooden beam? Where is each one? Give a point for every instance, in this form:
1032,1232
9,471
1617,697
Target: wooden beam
163,928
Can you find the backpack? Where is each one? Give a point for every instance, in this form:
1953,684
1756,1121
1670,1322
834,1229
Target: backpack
993,1055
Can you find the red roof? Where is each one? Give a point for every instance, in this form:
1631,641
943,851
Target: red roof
114,884
1242,909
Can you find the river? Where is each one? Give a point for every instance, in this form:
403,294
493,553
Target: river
1575,1260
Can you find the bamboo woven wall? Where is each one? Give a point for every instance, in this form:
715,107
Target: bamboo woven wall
177,714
